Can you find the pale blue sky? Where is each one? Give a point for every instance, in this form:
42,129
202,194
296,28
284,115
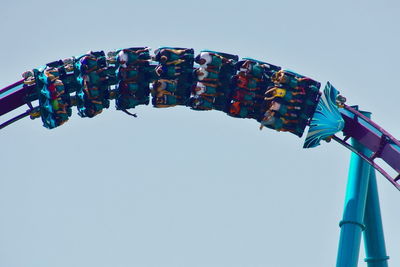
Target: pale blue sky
177,187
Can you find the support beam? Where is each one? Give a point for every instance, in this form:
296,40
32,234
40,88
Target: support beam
352,224
374,240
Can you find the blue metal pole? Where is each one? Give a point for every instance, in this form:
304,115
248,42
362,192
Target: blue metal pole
352,225
374,240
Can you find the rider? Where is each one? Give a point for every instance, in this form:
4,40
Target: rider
246,82
202,102
88,63
165,55
203,88
168,71
285,110
166,100
284,94
207,59
165,85
128,73
244,96
253,68
131,56
207,74
241,110
282,77
273,120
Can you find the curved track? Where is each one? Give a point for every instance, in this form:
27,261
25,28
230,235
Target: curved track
355,125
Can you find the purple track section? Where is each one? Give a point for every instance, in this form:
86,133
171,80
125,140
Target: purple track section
8,88
11,97
382,144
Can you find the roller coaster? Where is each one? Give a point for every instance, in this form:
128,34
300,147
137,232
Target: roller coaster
278,99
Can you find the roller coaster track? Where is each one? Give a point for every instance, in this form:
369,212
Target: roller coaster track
356,126
382,144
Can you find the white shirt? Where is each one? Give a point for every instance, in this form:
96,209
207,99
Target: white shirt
207,57
200,88
123,57
202,73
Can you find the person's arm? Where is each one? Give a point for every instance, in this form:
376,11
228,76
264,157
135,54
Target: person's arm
141,50
168,81
140,61
212,69
226,60
91,69
210,80
175,51
268,92
176,62
210,84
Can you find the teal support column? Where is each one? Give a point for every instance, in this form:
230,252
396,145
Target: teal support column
374,240
352,224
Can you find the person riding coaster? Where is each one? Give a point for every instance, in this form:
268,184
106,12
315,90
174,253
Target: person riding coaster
214,60
240,109
93,96
127,74
90,62
53,113
130,94
124,103
49,75
310,84
201,102
215,72
54,91
165,85
211,60
53,87
165,100
93,93
253,69
132,56
30,76
203,88
297,81
257,69
282,77
284,94
168,72
245,96
90,109
128,87
68,64
65,71
273,120
227,58
131,67
286,111
163,93
246,82
94,77
207,74
174,55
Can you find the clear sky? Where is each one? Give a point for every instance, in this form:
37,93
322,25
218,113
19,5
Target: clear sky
177,187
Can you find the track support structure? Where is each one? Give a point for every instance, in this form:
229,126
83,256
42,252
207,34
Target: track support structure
374,240
361,214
